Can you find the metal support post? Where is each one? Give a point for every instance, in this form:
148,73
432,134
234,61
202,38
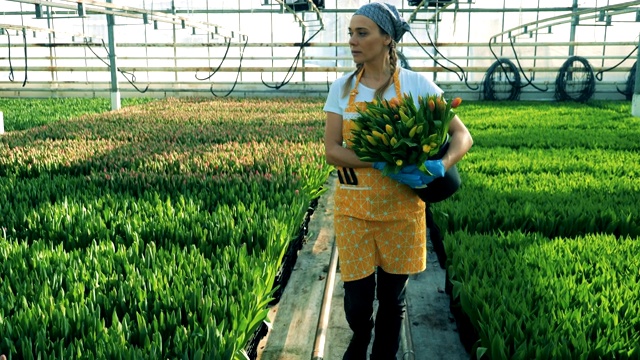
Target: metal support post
572,34
635,101
115,91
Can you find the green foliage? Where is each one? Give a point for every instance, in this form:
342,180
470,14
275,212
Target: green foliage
21,114
156,231
543,232
532,297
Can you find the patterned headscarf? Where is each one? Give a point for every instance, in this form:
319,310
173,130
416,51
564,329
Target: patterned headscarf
387,17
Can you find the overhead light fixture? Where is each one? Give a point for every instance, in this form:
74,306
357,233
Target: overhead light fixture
304,5
431,3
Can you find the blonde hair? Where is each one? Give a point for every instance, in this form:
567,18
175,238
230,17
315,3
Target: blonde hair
393,62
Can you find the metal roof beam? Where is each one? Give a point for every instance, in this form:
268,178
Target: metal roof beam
102,7
585,14
47,30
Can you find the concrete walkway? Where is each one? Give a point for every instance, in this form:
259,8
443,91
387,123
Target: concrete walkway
295,318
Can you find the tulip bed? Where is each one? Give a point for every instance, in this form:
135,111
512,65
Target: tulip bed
156,231
153,232
544,234
21,114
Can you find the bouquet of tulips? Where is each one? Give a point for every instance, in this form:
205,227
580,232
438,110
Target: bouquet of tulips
399,133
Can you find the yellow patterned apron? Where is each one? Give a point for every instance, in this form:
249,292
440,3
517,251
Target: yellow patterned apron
378,221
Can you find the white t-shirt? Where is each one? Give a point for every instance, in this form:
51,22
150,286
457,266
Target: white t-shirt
410,82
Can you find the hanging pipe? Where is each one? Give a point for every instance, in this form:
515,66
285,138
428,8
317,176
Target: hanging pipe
323,319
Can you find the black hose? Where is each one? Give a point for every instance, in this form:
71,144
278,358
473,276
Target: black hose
11,74
599,73
491,80
124,73
219,65
464,76
294,66
529,81
26,69
246,40
584,88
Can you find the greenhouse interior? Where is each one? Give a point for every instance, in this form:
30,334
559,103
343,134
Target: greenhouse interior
173,186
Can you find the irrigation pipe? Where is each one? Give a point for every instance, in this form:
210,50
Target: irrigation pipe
323,319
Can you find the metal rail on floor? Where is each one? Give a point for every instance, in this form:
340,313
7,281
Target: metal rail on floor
325,310
406,340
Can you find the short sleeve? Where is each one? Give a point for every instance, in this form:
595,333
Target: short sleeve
418,85
429,85
333,98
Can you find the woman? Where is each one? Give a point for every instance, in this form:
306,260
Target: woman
379,221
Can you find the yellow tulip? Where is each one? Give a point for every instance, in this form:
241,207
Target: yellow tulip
389,129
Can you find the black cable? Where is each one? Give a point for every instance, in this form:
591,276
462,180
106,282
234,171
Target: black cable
26,69
124,73
520,69
464,75
246,41
444,57
495,56
11,74
294,66
218,68
431,56
599,73
529,82
627,93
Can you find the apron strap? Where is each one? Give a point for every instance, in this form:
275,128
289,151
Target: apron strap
354,92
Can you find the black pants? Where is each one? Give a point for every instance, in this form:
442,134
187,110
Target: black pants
358,306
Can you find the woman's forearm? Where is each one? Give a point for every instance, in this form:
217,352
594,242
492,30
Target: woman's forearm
344,157
459,144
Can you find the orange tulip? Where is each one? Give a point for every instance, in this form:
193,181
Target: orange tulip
456,102
440,104
432,105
